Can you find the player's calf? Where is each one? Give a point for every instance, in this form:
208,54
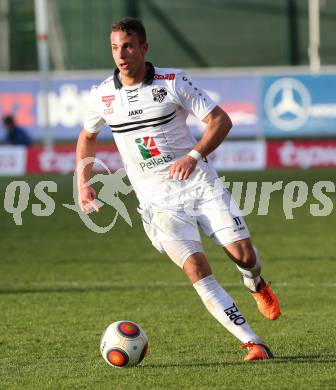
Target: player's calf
267,301
251,275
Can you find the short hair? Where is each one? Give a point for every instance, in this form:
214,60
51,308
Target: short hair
130,25
8,120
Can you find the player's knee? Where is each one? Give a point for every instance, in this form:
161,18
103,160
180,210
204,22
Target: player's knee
242,253
197,267
247,258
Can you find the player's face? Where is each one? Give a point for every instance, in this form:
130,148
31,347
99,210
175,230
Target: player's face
128,53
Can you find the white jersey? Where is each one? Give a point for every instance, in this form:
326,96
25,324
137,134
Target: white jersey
148,122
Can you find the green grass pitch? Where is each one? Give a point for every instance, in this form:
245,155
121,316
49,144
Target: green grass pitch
61,285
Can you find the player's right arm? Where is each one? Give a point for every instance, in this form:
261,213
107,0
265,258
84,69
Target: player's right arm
86,152
86,149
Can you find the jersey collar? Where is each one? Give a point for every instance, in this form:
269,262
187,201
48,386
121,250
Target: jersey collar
147,80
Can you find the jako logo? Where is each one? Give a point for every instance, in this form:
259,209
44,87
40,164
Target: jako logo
147,147
135,112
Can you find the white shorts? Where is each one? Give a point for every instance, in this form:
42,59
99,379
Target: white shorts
217,214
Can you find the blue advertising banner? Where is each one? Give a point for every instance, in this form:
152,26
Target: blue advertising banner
299,106
68,100
239,96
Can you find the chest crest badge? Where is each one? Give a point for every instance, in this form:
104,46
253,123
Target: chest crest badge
159,94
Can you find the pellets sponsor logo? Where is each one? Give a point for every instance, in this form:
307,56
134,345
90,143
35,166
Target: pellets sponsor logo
147,147
150,152
155,162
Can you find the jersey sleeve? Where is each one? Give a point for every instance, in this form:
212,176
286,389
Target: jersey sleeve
93,121
191,97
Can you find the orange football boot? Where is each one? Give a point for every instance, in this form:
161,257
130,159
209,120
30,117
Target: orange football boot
256,352
267,301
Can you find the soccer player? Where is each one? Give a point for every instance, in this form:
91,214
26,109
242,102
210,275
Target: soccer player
178,189
15,134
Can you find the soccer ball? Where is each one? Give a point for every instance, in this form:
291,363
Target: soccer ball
123,344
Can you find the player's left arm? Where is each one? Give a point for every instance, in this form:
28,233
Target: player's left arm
218,126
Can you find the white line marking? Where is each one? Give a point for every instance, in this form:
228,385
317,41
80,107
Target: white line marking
79,284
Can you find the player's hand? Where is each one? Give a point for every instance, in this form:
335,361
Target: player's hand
182,168
86,199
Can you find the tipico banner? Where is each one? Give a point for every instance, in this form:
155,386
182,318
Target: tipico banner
301,154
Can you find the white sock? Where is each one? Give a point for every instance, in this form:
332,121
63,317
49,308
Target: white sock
222,307
251,276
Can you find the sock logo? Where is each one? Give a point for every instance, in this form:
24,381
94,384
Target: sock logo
233,313
147,147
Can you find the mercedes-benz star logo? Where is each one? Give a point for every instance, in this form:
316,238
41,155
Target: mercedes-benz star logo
287,104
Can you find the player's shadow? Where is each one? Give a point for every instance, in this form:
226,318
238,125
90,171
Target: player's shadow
305,359
299,359
64,290
187,365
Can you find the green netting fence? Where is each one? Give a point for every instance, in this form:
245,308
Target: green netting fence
181,33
